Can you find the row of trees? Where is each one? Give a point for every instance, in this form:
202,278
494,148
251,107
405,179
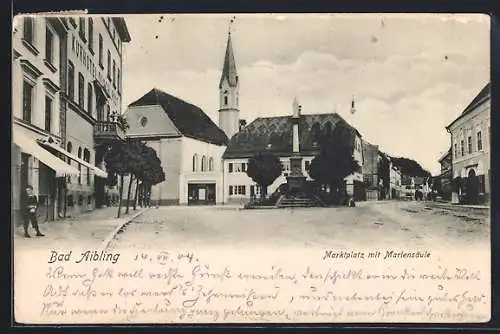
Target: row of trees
330,167
135,159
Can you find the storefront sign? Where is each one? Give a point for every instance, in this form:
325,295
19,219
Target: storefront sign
82,53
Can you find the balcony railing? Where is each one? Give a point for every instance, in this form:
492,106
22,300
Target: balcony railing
108,130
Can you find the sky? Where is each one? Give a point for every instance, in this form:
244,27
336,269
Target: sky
410,75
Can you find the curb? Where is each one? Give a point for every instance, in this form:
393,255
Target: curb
124,222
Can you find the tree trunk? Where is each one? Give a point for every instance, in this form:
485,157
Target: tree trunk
128,193
263,192
150,189
136,193
120,198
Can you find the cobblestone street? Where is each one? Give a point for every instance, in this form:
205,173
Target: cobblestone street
370,224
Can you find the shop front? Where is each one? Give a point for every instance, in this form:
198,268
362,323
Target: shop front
34,165
201,194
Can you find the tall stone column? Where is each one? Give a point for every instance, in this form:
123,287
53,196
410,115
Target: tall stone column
296,179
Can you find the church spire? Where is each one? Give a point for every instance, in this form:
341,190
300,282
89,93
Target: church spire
229,69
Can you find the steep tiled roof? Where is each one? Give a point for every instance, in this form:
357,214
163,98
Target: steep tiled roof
274,134
480,97
229,69
190,120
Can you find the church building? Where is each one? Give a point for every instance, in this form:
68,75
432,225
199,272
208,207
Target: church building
188,143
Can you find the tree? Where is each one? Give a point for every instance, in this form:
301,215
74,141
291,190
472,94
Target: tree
117,163
153,172
263,169
335,160
409,167
135,165
383,171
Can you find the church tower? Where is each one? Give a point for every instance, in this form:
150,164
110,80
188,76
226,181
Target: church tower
229,113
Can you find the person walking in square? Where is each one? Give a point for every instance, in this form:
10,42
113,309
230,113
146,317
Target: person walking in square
29,207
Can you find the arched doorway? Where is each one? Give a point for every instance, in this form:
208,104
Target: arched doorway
472,192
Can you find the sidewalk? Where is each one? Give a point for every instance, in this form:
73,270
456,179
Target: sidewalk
89,230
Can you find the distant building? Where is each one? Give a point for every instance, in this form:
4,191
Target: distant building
395,182
370,170
446,176
470,142
188,143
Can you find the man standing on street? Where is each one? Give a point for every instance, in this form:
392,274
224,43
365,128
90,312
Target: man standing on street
30,204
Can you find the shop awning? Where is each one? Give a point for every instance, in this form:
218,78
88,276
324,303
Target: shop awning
98,172
30,146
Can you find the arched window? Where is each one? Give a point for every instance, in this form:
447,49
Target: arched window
328,128
195,162
211,164
225,100
204,164
80,166
90,98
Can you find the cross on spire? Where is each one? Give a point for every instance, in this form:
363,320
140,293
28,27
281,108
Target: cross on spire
231,21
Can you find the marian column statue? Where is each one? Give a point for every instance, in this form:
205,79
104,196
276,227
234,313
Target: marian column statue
296,178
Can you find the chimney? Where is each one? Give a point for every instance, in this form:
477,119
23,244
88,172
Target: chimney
243,123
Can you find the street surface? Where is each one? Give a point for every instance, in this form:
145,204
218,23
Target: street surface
370,224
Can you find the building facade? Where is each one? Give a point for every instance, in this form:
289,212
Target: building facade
57,102
446,176
92,54
36,91
188,143
370,170
395,182
471,144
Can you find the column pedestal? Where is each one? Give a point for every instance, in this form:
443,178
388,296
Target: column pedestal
296,180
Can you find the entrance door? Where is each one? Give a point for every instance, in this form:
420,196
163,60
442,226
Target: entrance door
472,187
201,193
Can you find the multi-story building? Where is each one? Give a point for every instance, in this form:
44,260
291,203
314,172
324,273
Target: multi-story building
446,176
67,79
36,87
470,143
370,170
92,55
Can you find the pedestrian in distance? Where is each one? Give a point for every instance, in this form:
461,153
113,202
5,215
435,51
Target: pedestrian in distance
30,206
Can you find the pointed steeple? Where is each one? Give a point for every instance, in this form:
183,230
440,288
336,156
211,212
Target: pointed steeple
229,69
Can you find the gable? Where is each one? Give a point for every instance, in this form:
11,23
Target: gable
157,122
188,119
